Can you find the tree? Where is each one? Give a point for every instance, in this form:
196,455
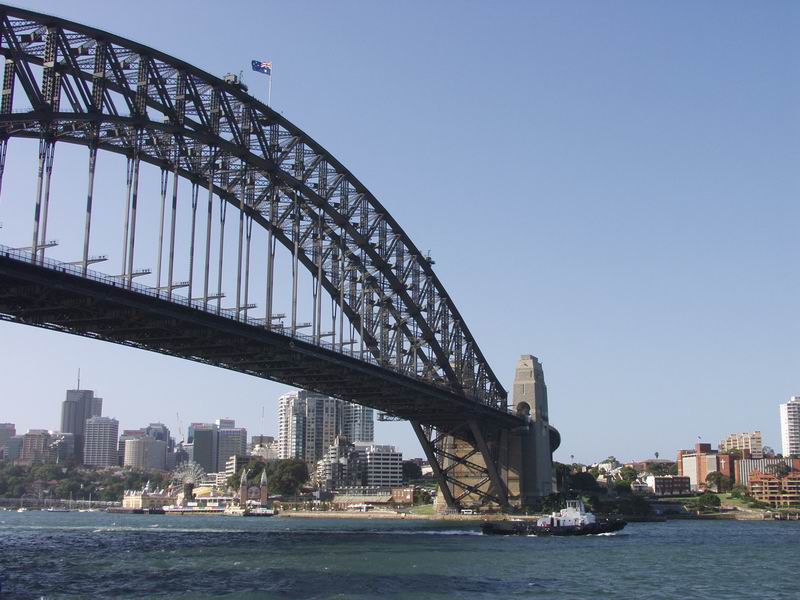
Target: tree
717,480
583,482
623,488
411,471
739,491
707,501
286,477
628,474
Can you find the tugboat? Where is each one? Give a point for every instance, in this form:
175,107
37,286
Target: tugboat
573,520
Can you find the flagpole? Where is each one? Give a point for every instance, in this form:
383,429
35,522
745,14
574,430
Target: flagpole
269,93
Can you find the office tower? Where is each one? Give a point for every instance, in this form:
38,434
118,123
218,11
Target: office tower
358,422
225,423
146,453
744,442
344,465
7,431
384,466
100,442
127,434
790,427
79,406
159,431
204,446
308,424
35,446
231,441
14,448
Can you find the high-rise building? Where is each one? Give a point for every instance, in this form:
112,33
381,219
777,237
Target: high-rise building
146,453
35,447
204,446
343,466
384,466
159,431
7,431
749,442
127,434
100,442
230,442
14,448
790,427
308,423
358,422
79,406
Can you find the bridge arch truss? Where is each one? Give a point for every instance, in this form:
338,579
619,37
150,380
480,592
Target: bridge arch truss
227,162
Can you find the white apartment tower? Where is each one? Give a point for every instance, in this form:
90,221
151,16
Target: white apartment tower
308,424
744,441
790,427
358,423
100,442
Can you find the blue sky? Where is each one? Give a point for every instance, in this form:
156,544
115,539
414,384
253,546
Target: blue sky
612,187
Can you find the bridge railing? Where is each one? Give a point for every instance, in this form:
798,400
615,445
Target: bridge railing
48,263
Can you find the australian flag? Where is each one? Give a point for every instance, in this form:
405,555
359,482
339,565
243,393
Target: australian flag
262,67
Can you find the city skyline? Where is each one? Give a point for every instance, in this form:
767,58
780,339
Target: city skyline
726,439
648,260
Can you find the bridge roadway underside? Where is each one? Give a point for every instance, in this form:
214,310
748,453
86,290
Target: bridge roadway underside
62,301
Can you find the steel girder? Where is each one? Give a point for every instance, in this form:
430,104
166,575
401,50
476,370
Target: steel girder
57,299
89,87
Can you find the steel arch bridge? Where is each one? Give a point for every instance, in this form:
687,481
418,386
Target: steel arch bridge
382,330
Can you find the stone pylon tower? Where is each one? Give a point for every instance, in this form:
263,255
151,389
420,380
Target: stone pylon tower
529,398
243,489
263,489
523,455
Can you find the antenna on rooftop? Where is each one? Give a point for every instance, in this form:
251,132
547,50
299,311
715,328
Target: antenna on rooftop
79,378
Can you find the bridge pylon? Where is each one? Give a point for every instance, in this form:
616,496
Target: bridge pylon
480,464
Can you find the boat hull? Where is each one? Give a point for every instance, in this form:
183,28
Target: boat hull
531,528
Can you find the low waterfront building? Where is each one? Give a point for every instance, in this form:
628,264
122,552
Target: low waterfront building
146,500
744,442
774,490
746,467
669,485
361,498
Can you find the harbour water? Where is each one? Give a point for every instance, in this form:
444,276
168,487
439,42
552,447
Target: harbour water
99,555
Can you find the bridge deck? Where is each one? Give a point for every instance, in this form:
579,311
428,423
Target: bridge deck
55,296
